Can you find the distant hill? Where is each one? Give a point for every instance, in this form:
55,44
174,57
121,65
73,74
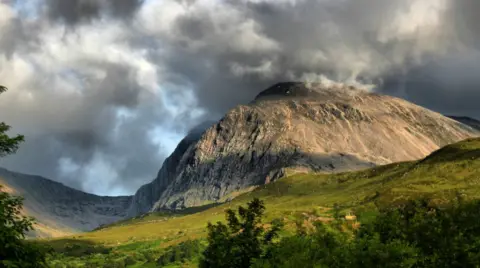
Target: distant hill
474,123
305,127
60,210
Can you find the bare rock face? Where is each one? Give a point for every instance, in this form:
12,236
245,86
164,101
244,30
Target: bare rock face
296,126
60,210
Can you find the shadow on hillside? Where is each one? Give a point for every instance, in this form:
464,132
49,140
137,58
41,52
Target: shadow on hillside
452,153
161,213
231,174
75,247
191,181
191,210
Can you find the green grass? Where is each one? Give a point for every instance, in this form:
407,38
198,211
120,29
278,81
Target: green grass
156,216
446,174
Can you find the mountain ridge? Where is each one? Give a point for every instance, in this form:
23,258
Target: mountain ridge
469,121
59,209
316,127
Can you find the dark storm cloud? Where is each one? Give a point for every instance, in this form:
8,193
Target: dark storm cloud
423,51
103,103
76,11
232,52
85,127
464,18
449,84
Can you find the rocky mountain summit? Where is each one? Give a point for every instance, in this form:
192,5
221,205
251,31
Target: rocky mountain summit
298,127
61,210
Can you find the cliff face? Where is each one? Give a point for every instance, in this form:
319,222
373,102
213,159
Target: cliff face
295,126
60,210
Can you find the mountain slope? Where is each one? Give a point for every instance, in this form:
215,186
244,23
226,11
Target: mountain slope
61,210
442,176
297,126
474,123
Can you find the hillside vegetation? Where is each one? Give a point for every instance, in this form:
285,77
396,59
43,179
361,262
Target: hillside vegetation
447,174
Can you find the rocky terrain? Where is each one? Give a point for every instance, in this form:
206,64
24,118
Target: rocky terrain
294,126
61,210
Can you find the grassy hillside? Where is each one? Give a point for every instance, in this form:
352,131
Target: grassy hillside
445,174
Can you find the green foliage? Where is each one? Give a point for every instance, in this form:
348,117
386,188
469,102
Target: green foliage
415,235
78,253
336,211
8,145
242,240
129,260
323,248
15,251
182,252
444,237
371,251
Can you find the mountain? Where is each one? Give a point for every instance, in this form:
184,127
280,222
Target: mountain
294,127
474,123
442,177
60,210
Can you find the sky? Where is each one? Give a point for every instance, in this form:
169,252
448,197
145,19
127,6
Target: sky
104,90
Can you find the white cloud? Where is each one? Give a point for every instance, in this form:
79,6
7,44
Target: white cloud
108,94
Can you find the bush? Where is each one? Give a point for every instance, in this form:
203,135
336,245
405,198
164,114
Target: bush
114,263
415,235
323,248
182,252
129,260
241,241
149,255
15,251
443,237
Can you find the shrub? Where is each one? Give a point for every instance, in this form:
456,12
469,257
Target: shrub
129,260
182,252
415,235
242,240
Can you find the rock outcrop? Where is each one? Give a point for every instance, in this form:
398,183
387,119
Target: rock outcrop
60,210
296,126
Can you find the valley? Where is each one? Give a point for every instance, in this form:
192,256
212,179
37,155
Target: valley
441,176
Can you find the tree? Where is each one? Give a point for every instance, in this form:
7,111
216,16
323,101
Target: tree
15,251
8,145
242,240
415,234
